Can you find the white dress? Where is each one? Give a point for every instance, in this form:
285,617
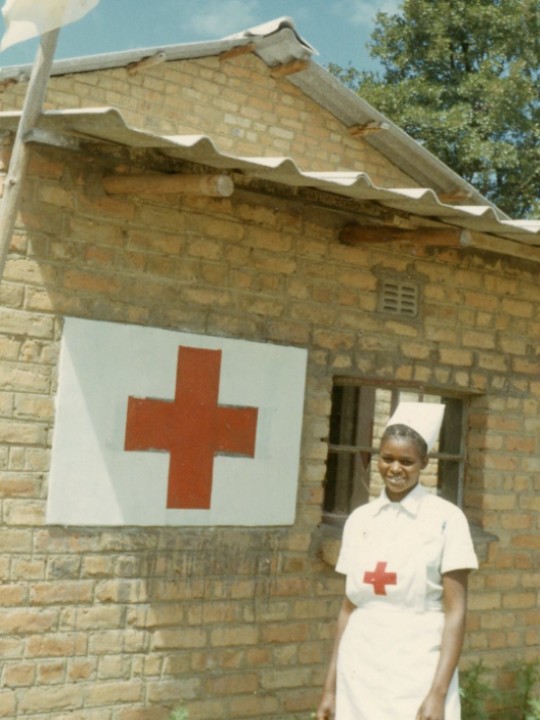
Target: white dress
394,555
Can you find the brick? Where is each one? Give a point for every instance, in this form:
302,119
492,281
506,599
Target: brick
8,703
180,639
114,668
80,669
55,645
455,357
65,592
185,689
498,502
516,307
55,195
22,621
18,675
51,672
124,591
24,512
333,340
485,601
49,699
235,635
229,684
13,594
285,633
478,340
516,522
79,281
114,693
530,542
288,678
521,600
502,581
99,617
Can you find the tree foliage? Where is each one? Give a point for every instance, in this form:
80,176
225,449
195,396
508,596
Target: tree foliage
463,78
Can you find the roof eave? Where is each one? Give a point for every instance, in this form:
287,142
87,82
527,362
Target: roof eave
107,125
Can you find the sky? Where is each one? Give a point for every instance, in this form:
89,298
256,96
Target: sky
338,29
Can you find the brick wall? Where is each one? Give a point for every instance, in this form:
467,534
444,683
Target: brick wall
123,624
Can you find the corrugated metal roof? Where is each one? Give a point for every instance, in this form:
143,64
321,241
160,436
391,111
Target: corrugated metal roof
107,124
276,43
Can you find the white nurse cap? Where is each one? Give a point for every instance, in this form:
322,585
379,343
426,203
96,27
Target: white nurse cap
424,418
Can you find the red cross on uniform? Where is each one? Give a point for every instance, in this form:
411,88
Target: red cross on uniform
380,578
193,428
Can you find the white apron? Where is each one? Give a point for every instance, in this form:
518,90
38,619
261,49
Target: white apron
390,648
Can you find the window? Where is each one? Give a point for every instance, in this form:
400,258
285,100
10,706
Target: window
359,413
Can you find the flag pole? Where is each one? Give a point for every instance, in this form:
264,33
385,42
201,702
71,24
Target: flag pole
32,108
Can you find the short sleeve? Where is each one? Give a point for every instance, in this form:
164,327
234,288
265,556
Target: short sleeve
458,551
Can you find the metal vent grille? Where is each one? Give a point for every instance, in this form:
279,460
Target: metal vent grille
399,298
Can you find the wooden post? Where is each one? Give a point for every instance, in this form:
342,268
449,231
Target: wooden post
204,185
33,105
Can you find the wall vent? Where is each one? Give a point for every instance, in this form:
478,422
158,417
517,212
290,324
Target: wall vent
399,298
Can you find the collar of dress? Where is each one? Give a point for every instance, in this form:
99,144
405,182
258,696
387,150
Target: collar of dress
410,503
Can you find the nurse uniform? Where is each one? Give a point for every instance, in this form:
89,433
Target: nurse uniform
394,555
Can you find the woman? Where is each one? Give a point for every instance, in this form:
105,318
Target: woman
406,556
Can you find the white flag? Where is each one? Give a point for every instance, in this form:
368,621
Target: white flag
158,427
25,19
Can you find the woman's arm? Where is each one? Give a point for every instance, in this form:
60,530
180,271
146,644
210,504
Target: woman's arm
455,608
327,706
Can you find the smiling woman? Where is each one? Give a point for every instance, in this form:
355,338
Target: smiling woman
401,459
406,557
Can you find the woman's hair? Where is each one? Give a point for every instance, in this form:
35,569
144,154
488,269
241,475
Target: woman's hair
404,431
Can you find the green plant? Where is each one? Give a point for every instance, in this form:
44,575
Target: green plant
527,677
180,713
474,693
480,701
534,709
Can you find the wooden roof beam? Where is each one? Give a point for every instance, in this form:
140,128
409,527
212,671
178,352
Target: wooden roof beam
146,62
220,186
367,128
455,198
289,68
237,51
447,237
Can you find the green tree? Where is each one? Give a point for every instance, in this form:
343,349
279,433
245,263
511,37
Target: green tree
463,78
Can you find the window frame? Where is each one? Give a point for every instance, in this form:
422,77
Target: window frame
337,518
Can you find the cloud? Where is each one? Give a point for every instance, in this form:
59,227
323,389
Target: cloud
362,12
218,18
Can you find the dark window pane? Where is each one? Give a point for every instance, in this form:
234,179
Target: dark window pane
449,480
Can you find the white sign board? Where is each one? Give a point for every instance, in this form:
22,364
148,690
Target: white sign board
156,427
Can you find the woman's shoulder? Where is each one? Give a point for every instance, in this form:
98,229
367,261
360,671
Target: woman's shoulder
360,514
434,504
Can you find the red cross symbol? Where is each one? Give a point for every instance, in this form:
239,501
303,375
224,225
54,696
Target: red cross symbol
193,428
380,578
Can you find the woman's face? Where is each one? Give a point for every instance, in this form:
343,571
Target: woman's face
400,464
